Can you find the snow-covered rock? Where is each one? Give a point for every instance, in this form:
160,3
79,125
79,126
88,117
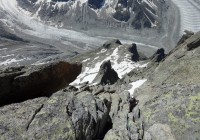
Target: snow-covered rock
111,13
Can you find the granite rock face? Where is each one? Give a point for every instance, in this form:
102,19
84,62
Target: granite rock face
18,84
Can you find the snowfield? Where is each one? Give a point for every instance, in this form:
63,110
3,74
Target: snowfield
121,64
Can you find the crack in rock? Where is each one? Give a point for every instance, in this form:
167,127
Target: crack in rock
33,116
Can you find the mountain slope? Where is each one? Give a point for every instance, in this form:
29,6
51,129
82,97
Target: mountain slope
165,103
169,101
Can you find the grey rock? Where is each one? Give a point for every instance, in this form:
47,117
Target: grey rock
106,74
193,42
160,131
99,90
187,35
18,84
169,99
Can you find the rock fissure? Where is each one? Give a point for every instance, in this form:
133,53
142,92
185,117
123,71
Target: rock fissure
33,116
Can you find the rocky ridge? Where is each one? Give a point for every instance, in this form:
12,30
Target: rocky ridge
166,105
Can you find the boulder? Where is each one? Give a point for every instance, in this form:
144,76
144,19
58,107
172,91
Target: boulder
18,84
159,55
106,74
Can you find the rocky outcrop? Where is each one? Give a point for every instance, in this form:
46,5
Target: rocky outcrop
135,55
187,35
158,56
193,42
106,74
112,43
64,115
133,50
170,100
18,84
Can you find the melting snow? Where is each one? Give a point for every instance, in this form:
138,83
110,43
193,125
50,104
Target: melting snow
136,85
86,60
123,67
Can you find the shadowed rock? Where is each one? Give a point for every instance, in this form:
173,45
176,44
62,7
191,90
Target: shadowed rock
19,84
133,49
159,55
193,42
106,74
110,44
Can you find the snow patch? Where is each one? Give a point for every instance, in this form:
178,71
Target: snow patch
136,85
86,60
122,67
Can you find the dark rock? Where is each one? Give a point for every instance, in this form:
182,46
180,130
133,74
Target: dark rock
133,50
132,103
106,74
70,89
136,56
25,83
112,43
193,44
96,4
159,55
